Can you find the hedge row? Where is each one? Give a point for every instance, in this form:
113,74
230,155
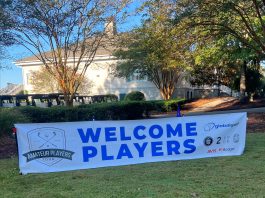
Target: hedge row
165,106
104,111
8,117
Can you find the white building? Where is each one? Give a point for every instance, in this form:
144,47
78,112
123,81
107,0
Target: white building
99,75
103,82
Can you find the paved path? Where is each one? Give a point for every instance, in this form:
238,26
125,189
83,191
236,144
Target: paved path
211,105
207,109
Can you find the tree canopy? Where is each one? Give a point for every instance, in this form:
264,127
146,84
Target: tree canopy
64,35
237,24
244,20
5,23
158,49
215,41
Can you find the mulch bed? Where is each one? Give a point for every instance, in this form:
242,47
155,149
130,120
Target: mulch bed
256,123
235,104
8,147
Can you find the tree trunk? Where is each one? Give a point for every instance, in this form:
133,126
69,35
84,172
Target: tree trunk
242,87
166,93
243,79
68,100
218,89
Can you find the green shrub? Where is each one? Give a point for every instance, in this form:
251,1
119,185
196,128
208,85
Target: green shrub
164,105
135,96
99,111
52,114
115,111
125,110
172,105
9,117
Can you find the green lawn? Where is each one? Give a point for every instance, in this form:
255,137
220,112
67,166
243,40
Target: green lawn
242,176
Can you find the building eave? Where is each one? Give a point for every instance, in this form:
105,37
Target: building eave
97,58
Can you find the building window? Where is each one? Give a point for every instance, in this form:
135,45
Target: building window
29,78
136,76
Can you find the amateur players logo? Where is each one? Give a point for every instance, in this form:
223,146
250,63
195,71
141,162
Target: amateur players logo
47,146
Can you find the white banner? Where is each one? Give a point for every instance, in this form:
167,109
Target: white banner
52,147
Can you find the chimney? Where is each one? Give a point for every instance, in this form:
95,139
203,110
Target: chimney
110,26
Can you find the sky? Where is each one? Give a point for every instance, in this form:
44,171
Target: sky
13,74
10,72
